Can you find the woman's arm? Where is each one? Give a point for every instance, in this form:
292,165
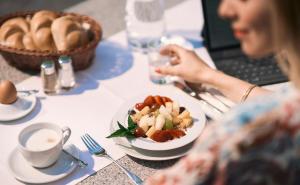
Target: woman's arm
233,88
191,68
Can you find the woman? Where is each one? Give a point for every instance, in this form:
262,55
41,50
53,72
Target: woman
259,141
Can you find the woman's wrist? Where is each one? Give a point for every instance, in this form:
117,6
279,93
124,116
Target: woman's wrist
210,77
247,92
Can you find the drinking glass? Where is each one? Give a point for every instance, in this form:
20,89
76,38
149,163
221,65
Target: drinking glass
155,59
144,23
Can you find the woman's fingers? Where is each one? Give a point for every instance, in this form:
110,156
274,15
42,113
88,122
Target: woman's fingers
174,61
167,70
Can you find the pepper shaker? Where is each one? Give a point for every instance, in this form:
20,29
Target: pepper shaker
49,77
66,73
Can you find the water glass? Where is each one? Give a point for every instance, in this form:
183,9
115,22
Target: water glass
144,22
155,59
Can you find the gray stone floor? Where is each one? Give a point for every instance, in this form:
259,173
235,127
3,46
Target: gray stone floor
110,14
113,175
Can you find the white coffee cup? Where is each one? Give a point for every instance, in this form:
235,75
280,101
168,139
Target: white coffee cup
42,143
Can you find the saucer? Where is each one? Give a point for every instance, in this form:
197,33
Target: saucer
23,106
24,172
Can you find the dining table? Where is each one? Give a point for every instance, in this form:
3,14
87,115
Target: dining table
117,74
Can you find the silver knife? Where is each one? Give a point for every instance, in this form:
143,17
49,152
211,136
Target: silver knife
194,88
80,162
194,94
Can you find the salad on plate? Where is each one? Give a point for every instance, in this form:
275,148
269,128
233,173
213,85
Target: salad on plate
158,118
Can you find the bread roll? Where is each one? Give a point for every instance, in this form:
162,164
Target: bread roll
40,26
68,33
44,31
28,42
15,33
18,21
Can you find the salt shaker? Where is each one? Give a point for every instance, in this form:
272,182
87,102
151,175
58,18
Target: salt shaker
66,73
49,77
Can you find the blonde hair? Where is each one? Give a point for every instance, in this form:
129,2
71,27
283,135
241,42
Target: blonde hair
287,36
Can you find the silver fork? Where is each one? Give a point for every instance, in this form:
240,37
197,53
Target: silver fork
95,149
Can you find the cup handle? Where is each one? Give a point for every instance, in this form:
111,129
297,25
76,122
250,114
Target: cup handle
66,134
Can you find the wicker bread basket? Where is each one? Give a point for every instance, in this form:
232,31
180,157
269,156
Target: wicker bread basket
31,59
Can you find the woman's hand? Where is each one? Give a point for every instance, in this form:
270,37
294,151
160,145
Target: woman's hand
185,64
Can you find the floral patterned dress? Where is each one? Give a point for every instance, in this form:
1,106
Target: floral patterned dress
257,143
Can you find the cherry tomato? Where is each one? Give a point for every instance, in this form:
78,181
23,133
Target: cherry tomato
139,132
167,99
158,100
139,106
149,101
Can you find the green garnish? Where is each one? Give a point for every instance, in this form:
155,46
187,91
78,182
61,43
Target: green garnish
168,125
125,132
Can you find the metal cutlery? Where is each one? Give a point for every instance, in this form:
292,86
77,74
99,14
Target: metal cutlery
207,91
194,94
80,162
95,149
194,88
28,92
216,97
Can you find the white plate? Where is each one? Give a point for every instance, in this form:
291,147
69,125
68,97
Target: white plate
24,172
148,144
23,106
148,154
151,155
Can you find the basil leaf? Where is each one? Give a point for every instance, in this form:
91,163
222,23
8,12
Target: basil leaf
132,129
131,136
131,123
121,126
118,133
125,132
122,133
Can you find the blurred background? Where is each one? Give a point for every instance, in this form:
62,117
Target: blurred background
110,13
